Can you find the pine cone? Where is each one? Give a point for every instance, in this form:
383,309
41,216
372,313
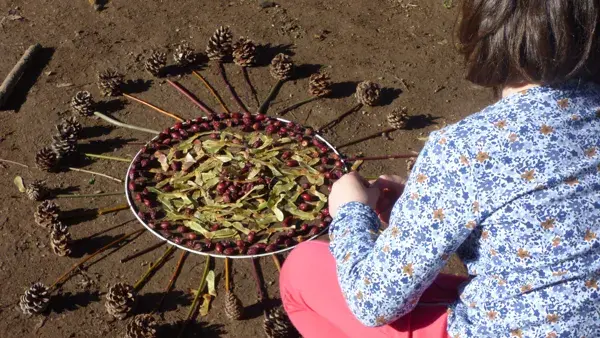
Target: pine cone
36,190
83,103
398,118
46,214
69,126
155,63
368,93
319,84
277,324
141,326
244,52
64,146
184,55
233,306
219,45
60,239
110,82
35,300
120,300
282,67
46,159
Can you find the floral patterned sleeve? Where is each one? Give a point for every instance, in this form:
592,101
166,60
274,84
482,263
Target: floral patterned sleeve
382,276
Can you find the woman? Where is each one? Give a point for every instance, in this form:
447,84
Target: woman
513,189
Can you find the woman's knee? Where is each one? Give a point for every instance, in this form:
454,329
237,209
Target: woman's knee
302,258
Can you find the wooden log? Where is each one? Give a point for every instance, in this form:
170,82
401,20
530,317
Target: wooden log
15,74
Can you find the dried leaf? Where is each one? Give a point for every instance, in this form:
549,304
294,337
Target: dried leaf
205,305
19,183
210,283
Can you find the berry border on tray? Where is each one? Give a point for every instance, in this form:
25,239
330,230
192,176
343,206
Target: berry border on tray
183,237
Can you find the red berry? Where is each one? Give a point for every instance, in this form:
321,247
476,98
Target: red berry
339,164
251,236
214,136
181,229
227,198
327,175
307,197
148,203
288,221
219,248
324,160
308,131
286,155
305,186
260,117
292,163
271,248
304,227
325,212
270,130
288,242
239,243
215,227
178,126
223,116
166,141
165,225
277,123
177,240
204,126
304,206
191,235
229,251
236,115
314,231
253,251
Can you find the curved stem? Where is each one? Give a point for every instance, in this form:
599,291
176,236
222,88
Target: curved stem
89,195
147,104
143,252
339,118
192,310
109,210
67,274
362,139
191,97
124,125
153,267
13,162
296,105
212,90
234,94
265,105
96,173
169,287
104,157
249,83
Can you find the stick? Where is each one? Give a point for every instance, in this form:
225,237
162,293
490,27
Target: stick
376,158
252,89
108,157
259,286
96,173
11,80
299,104
169,287
109,210
153,267
265,105
67,274
88,195
195,302
13,162
125,125
212,91
353,142
338,119
147,104
226,274
142,252
277,263
235,96
191,97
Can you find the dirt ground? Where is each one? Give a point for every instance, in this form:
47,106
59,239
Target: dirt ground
406,46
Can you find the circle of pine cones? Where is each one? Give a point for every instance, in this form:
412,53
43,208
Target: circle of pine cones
35,300
83,103
282,67
278,325
36,191
110,82
184,55
141,326
368,93
46,215
220,44
155,63
398,119
244,52
234,309
60,239
319,85
120,300
46,159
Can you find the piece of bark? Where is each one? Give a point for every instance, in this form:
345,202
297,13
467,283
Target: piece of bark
15,74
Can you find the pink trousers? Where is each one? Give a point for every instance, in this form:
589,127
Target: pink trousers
314,302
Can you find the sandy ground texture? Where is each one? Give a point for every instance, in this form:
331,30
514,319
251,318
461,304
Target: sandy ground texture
406,46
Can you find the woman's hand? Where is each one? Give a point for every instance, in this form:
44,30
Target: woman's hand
352,188
390,188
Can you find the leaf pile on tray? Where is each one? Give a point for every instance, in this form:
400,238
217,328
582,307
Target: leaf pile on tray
235,184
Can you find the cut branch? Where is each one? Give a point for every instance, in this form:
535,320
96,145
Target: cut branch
234,94
153,267
169,287
124,125
297,105
104,157
147,104
212,90
265,105
96,173
143,252
193,307
191,97
17,71
249,83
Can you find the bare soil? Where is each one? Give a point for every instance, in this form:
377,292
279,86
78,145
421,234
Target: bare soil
405,46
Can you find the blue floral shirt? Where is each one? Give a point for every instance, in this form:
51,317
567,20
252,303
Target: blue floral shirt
515,191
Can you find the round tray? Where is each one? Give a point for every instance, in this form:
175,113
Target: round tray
133,208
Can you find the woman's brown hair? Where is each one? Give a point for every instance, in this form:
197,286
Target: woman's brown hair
512,42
